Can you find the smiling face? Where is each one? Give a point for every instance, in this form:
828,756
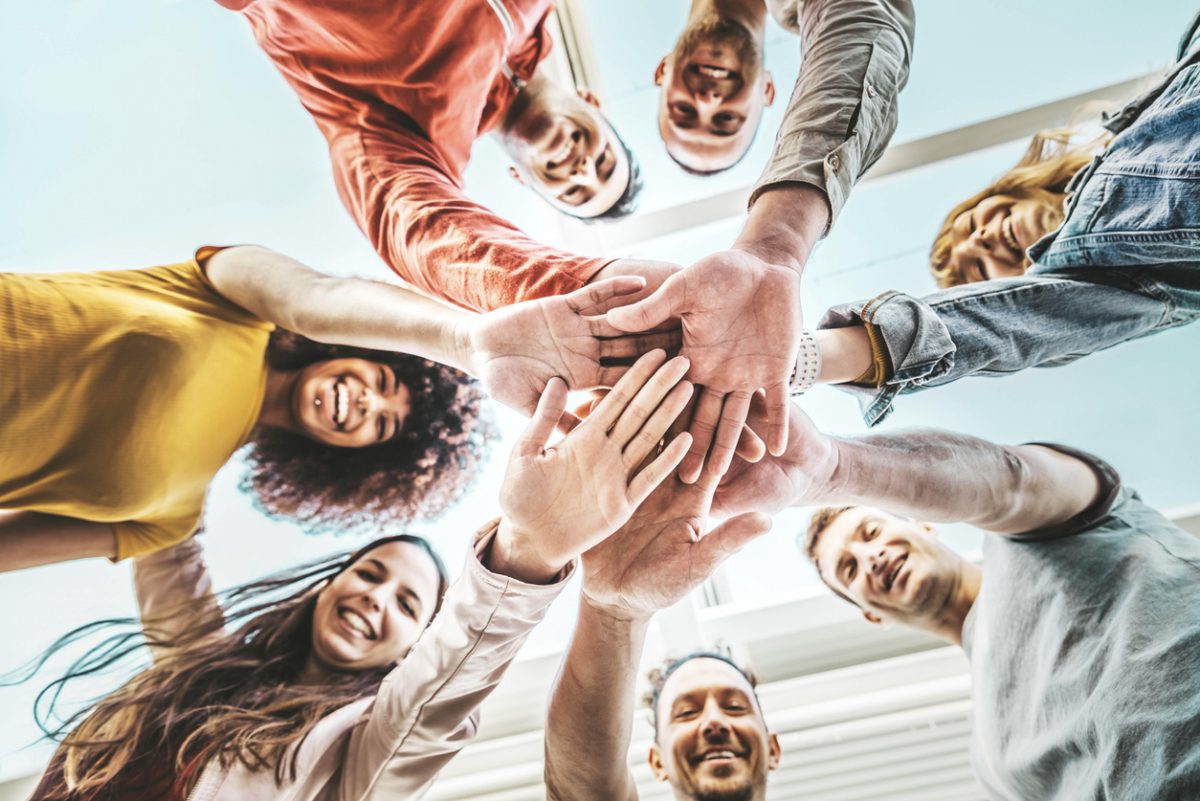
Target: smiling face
372,612
564,148
349,403
990,240
713,93
892,568
712,742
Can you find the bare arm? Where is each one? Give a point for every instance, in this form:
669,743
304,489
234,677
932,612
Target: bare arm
29,539
589,723
344,311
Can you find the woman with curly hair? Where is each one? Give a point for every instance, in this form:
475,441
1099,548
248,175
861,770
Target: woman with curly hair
329,681
124,393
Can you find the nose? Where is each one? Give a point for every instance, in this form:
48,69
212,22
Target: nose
878,561
712,725
585,171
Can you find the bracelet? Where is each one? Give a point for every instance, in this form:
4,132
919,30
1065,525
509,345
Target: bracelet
808,364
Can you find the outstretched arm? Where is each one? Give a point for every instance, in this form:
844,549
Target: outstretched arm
29,539
515,351
652,562
933,475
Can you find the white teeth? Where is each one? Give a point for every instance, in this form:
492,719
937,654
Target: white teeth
718,755
1010,236
356,622
341,403
713,72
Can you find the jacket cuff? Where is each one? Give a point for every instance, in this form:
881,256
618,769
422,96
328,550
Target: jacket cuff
917,343
510,587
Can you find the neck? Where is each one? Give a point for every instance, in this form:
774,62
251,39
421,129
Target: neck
276,409
752,14
949,625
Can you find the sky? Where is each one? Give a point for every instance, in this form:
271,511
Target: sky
131,133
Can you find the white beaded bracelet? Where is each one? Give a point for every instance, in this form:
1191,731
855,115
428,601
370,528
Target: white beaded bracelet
808,364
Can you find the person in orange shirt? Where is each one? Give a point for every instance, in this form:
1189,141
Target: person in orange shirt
402,90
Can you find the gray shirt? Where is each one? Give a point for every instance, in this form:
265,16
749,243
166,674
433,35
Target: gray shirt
842,112
1084,646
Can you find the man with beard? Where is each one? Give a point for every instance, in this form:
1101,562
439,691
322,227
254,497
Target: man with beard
711,742
740,308
1081,628
402,90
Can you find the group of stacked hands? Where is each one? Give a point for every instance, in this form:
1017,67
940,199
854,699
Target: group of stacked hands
361,676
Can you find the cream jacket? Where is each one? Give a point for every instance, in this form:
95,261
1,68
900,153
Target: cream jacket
391,746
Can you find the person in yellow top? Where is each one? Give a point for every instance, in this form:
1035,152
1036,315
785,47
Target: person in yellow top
122,393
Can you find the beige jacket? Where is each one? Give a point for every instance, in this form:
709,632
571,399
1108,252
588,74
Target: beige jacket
391,746
842,113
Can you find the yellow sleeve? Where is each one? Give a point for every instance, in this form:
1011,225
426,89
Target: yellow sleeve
139,537
881,361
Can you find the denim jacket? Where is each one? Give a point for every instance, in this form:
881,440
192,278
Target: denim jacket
1124,264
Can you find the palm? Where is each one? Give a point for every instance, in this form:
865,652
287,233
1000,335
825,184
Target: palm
518,349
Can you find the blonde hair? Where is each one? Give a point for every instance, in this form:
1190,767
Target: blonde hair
1042,173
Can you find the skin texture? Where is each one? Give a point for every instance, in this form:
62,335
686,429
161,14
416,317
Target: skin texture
990,240
391,592
564,149
560,501
713,86
896,570
650,563
712,741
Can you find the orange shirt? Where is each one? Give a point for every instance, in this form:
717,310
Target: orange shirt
401,89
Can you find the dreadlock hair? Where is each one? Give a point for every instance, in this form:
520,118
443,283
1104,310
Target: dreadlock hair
225,687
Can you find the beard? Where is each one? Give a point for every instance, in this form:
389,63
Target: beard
745,793
712,30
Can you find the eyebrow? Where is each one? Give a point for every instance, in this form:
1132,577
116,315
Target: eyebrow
859,532
379,565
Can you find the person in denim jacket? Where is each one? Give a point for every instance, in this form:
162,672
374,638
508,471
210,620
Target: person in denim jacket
1124,264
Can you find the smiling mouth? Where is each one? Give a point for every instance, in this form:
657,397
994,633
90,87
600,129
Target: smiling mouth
356,622
719,755
718,73
1009,235
890,578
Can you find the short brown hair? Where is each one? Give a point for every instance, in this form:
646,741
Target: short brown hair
658,678
821,520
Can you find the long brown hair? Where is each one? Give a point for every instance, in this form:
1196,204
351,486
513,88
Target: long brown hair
226,689
1042,173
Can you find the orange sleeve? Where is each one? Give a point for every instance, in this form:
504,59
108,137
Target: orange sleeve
437,239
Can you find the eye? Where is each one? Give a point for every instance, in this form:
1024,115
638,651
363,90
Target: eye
367,575
380,428
406,607
849,570
870,534
684,713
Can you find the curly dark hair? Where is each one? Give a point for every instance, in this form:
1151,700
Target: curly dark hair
417,474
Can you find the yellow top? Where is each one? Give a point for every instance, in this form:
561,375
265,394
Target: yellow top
121,395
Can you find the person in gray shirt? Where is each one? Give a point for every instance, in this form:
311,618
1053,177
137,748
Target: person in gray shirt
1082,628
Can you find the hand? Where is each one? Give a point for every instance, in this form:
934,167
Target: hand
741,324
654,273
516,350
803,472
662,553
560,501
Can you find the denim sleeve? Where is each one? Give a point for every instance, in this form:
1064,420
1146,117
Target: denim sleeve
994,328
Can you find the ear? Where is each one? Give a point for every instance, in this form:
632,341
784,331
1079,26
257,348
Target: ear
515,175
656,763
660,71
872,618
587,97
768,88
773,752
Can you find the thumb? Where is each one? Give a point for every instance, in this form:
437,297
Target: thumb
652,310
728,538
549,410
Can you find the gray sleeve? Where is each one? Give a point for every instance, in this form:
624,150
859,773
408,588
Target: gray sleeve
842,112
994,328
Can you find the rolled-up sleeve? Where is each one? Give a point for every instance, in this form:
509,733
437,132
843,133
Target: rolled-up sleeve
436,238
842,112
994,328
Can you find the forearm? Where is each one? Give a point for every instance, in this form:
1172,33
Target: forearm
343,311
30,539
590,719
942,476
785,224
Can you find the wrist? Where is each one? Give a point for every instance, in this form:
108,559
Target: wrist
460,342
612,614
514,553
784,224
846,353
